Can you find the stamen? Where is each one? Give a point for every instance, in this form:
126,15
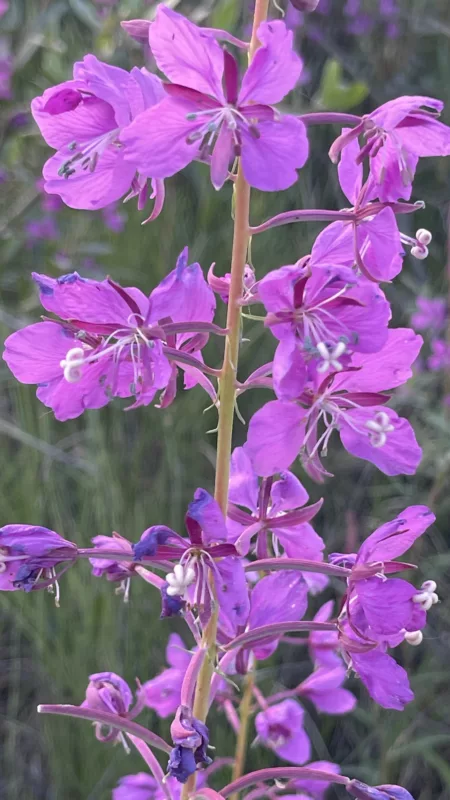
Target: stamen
179,580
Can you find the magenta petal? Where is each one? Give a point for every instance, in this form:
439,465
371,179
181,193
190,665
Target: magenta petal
144,90
392,113
287,493
282,596
334,246
87,300
233,595
270,162
110,180
275,68
350,173
289,370
221,157
106,82
185,53
387,604
396,537
275,436
183,295
34,353
400,455
392,183
386,369
425,136
301,541
70,400
380,246
156,141
280,727
243,489
176,653
88,120
163,693
386,681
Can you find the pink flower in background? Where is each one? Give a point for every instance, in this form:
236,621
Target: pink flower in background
440,355
207,116
163,693
280,727
430,314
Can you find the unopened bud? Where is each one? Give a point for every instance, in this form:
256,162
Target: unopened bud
137,29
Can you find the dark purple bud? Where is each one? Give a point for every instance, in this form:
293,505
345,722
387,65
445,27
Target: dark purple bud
150,540
363,792
172,606
191,739
343,559
62,101
26,577
108,692
305,5
231,75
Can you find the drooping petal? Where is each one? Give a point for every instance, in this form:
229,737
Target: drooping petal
400,455
270,162
98,302
233,595
157,143
289,370
185,53
243,489
163,693
385,680
424,136
34,353
391,114
275,68
275,436
349,171
109,181
380,247
207,514
301,541
324,688
396,537
221,157
144,90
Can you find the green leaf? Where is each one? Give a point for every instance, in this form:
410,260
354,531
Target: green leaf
336,94
86,13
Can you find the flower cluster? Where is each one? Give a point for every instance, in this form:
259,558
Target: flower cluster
243,577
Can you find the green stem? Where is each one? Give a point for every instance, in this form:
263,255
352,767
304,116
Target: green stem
227,392
241,743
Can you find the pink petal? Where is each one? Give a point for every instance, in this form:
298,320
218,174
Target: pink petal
221,157
388,368
90,119
33,354
380,246
270,162
401,455
185,54
275,436
275,69
396,537
350,173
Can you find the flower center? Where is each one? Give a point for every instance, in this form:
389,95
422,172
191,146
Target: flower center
86,158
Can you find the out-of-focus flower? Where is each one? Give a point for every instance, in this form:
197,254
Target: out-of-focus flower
280,727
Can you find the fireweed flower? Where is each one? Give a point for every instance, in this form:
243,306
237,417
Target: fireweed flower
143,787
163,693
191,740
110,344
440,355
324,688
206,553
320,317
323,645
349,401
275,509
430,313
205,115
280,727
29,555
83,120
396,135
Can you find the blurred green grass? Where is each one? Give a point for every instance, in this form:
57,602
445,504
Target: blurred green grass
121,471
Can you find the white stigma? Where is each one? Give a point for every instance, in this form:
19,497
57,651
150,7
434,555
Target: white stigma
419,252
423,236
414,638
379,427
427,597
72,363
330,356
179,580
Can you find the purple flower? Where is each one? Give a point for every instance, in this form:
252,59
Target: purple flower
324,644
110,343
143,787
320,318
191,740
430,313
207,116
396,135
113,218
324,688
274,507
349,401
6,68
113,569
163,693
440,358
108,692
44,228
280,727
83,119
29,555
385,680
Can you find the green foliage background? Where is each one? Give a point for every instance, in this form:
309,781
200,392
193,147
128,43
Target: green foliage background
120,471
